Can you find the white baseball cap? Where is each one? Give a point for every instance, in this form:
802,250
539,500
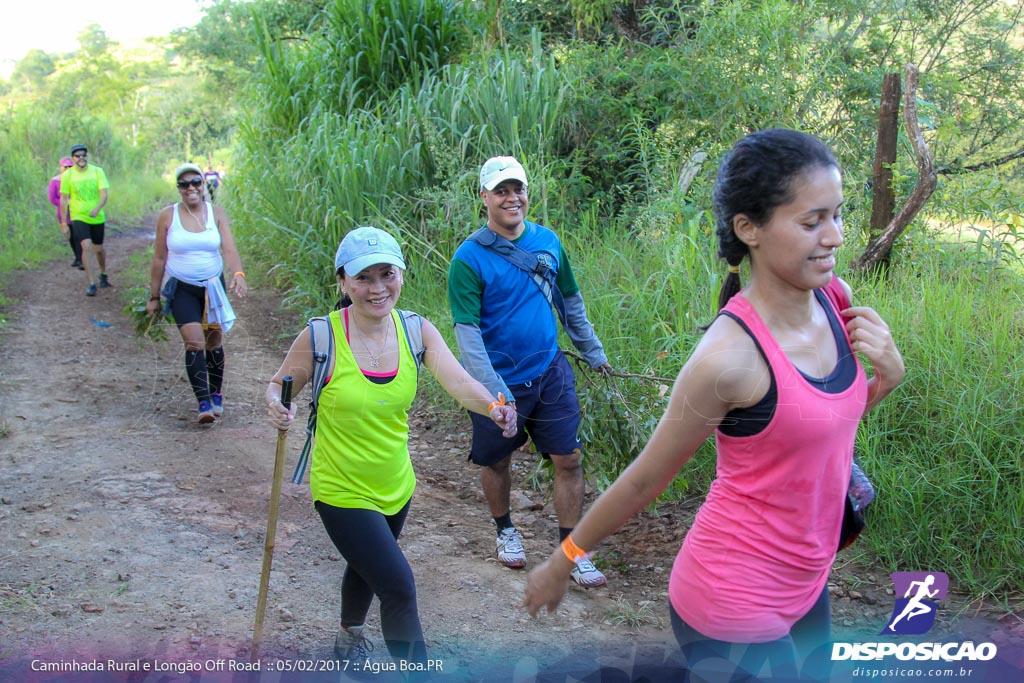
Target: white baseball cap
367,246
498,169
187,168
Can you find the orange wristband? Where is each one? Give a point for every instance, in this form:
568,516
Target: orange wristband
238,272
571,550
494,404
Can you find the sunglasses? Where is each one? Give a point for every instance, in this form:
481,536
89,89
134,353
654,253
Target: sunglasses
195,182
80,155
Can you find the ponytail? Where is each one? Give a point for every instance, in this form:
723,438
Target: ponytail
730,286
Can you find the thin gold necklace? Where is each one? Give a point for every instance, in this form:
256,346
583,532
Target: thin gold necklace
200,224
374,359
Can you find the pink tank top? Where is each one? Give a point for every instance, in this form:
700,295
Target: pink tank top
760,549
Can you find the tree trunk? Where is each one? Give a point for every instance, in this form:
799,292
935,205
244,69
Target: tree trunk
877,251
883,199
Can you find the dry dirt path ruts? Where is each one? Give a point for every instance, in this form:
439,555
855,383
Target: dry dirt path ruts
130,534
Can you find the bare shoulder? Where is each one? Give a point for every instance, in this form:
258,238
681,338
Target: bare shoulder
728,362
163,219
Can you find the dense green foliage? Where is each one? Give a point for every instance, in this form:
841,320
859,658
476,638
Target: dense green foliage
380,112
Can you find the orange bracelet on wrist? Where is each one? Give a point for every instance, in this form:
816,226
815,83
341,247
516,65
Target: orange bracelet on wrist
571,550
494,404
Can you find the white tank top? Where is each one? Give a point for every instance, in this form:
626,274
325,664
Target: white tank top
193,256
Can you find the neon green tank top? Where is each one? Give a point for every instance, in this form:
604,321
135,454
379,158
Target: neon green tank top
361,448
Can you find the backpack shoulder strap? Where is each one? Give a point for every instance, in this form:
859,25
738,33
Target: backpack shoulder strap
539,272
517,256
412,323
321,341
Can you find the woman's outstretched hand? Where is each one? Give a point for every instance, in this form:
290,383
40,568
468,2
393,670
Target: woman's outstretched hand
546,584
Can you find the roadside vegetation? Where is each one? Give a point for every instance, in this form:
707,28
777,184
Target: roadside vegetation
341,113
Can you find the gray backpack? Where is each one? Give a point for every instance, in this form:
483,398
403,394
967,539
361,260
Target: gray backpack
321,339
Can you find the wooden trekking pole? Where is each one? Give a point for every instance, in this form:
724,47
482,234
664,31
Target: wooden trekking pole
275,504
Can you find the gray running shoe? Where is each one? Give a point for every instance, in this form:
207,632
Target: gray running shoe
350,644
509,548
91,290
585,574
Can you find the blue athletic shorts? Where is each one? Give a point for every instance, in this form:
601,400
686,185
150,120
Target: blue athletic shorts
549,413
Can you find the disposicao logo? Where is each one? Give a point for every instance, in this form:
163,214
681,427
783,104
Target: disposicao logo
914,614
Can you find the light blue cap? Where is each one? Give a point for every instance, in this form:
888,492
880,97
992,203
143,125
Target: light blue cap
367,246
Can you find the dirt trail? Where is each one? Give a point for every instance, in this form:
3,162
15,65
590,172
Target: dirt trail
129,533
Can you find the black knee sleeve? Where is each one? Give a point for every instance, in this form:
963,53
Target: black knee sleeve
198,375
215,368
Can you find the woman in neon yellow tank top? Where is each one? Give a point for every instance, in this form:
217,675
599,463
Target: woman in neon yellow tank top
362,479
776,379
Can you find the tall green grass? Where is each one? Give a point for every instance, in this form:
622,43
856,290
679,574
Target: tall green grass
408,163
946,450
28,224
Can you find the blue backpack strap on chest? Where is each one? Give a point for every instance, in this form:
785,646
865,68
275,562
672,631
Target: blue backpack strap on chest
321,339
539,272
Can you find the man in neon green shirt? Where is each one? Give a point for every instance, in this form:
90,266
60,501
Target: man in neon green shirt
83,192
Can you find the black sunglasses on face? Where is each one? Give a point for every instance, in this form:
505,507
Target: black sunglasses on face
195,182
80,155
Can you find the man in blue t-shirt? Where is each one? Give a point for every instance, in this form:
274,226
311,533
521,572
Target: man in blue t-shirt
508,339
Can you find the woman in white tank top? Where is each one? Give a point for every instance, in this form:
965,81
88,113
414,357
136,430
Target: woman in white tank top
193,243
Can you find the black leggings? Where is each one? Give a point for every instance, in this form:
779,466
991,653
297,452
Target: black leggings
795,656
368,540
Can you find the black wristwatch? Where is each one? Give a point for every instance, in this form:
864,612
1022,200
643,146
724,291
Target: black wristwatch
154,298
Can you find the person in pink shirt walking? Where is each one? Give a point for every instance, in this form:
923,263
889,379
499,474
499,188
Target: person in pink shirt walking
54,193
777,381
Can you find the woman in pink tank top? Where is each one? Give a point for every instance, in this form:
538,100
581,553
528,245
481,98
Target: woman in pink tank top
775,379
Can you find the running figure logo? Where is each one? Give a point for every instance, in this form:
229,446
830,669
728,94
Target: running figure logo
914,613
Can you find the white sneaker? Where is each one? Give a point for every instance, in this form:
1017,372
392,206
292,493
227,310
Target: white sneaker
585,574
510,548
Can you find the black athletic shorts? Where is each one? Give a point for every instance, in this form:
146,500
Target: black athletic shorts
188,304
81,231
